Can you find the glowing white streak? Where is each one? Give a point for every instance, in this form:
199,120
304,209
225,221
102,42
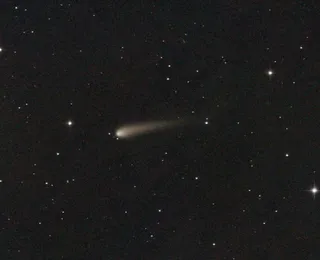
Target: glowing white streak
128,131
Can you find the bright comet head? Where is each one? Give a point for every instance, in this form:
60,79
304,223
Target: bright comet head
120,133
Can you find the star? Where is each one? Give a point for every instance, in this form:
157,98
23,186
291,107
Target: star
314,191
69,123
270,73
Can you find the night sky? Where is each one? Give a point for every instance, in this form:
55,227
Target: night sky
236,180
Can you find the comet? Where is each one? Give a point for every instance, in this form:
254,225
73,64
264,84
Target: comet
133,130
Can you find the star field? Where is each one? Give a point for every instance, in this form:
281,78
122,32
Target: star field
239,180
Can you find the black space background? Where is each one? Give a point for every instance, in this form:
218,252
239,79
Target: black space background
226,190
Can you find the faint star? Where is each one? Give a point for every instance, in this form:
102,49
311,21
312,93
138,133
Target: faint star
69,123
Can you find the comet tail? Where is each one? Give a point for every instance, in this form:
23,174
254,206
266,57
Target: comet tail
128,131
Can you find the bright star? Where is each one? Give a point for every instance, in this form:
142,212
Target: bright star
314,190
270,72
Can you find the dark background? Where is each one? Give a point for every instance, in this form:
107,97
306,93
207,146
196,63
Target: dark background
222,190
